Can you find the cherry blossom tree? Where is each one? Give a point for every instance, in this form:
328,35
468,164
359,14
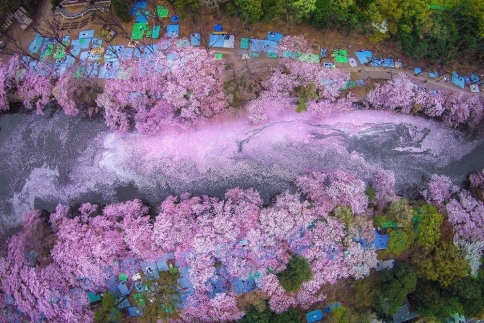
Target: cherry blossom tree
36,88
384,187
334,188
291,43
62,93
439,189
465,214
473,252
456,109
3,87
234,237
185,86
476,179
294,84
398,93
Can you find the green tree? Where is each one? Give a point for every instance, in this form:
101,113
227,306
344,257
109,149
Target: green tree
395,284
344,213
121,9
400,239
165,296
250,11
289,316
254,315
428,227
431,301
191,6
107,312
401,211
468,290
272,9
445,264
296,272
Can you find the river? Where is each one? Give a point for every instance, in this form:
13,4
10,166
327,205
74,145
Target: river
61,159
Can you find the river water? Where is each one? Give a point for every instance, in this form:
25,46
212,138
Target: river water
61,159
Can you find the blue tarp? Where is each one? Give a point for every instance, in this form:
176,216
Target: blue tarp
150,270
474,78
129,266
458,80
382,62
381,240
243,286
417,71
172,30
86,34
141,18
262,45
135,311
139,287
175,18
274,36
113,53
137,6
185,284
36,44
218,285
314,316
125,303
150,49
364,56
123,288
127,53
216,40
195,39
433,74
218,27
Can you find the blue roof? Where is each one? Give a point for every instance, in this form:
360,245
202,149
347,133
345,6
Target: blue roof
135,311
381,240
274,36
172,30
195,39
364,56
314,316
458,80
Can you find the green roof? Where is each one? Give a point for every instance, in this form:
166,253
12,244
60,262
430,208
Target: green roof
139,299
340,56
244,43
93,297
123,277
